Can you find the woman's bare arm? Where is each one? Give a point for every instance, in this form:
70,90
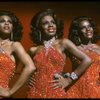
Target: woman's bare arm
28,69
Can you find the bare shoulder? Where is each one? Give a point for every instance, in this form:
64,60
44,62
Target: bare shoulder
66,42
96,46
18,48
17,45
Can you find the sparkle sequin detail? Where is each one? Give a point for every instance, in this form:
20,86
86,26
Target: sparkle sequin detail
86,86
47,65
7,67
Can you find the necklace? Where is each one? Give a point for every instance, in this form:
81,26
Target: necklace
3,42
48,44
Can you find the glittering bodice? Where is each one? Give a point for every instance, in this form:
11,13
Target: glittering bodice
91,76
47,65
86,86
7,67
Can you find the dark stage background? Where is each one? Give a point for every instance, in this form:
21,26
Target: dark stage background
65,10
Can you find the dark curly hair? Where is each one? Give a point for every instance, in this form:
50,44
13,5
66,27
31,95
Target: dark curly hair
35,33
17,26
74,31
77,38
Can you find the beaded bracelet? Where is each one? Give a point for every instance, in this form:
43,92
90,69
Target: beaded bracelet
73,75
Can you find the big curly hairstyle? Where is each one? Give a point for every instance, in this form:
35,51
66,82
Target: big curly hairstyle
17,26
35,33
74,31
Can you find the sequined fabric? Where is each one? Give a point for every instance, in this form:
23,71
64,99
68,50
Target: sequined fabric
86,86
7,67
47,65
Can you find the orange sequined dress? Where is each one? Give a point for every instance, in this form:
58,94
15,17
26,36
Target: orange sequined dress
7,67
86,86
47,65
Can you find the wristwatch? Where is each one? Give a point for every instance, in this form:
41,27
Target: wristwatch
73,76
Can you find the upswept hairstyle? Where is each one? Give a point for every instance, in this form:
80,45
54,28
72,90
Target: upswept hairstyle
17,26
74,31
35,33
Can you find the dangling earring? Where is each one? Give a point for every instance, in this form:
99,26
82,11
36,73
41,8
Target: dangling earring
11,36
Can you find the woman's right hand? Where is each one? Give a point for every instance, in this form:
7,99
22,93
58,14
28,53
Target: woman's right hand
32,80
61,82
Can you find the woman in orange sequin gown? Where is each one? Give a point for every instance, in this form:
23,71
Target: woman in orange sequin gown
85,38
47,66
49,56
7,67
10,51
